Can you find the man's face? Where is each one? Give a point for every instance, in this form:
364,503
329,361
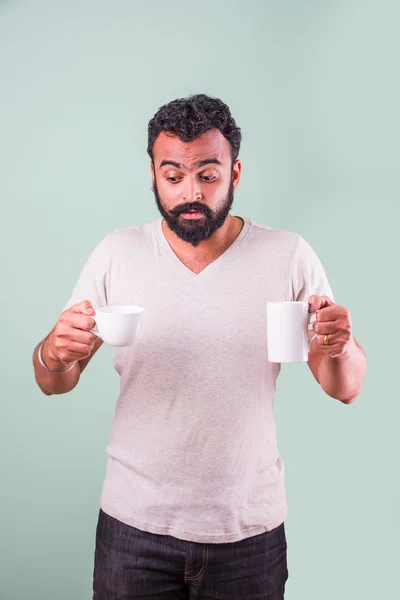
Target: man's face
194,183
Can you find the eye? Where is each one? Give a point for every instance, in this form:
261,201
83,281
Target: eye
173,179
208,178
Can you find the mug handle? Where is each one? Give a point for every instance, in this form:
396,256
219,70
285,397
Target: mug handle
310,327
95,329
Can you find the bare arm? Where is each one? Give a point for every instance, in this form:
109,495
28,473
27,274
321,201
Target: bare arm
67,343
340,366
52,383
342,377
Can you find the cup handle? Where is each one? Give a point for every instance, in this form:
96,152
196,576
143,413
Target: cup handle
310,327
95,329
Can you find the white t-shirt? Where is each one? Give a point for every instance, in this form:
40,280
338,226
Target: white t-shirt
193,450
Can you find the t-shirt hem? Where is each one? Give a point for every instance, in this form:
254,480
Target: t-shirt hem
194,537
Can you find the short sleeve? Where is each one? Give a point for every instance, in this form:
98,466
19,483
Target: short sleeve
92,283
307,274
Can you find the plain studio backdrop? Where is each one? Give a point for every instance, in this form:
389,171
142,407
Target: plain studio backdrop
314,86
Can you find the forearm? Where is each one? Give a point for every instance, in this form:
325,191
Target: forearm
52,383
342,377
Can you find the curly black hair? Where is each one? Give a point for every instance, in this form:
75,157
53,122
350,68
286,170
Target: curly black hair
189,118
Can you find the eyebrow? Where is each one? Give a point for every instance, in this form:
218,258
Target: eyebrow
199,164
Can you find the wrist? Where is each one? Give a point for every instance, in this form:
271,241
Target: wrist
51,361
347,353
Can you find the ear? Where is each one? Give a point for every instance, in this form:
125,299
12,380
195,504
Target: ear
152,175
236,172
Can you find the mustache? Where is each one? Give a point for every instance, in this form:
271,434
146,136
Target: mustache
197,206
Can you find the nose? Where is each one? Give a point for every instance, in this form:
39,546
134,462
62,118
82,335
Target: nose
191,191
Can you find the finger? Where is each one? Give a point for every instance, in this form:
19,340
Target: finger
74,351
325,327
78,348
84,323
78,321
332,340
84,307
74,334
317,302
329,313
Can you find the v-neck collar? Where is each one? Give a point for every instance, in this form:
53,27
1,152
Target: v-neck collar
172,256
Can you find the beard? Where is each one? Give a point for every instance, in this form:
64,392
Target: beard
195,231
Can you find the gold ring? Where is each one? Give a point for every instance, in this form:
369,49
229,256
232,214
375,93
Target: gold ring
326,341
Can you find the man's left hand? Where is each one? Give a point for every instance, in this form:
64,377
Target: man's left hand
334,321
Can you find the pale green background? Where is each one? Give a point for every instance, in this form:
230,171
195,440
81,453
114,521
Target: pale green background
314,86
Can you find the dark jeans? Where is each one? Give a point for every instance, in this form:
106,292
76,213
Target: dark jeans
132,564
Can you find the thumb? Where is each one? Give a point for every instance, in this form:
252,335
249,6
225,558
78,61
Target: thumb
83,307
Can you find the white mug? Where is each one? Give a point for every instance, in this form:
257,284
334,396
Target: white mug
287,331
117,325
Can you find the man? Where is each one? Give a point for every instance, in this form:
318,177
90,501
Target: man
193,501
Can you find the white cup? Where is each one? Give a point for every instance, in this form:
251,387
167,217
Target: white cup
117,325
287,331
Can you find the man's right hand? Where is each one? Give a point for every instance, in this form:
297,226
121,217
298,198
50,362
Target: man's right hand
71,339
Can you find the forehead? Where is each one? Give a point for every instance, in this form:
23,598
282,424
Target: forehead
211,144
